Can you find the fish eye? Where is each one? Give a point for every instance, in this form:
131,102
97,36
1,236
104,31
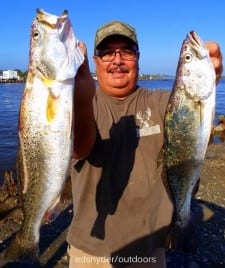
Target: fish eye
36,35
188,57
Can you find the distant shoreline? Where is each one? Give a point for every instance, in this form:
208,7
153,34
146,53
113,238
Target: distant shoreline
5,81
140,78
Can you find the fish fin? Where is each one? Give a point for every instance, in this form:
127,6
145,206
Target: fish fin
52,213
21,167
196,187
181,239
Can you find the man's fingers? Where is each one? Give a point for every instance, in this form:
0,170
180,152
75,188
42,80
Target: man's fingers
216,57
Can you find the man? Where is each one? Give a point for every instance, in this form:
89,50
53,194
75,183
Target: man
121,208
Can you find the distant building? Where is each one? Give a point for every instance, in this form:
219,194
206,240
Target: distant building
10,74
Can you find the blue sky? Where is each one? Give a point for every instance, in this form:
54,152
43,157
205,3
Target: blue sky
161,27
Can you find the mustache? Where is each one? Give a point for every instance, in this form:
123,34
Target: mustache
122,69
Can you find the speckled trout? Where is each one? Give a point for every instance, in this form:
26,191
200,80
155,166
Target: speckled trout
188,123
45,125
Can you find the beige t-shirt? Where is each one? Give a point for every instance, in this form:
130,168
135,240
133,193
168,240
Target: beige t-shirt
121,207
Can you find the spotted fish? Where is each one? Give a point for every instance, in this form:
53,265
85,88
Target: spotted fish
188,123
45,128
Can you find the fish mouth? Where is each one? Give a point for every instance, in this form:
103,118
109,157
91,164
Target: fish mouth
195,40
46,72
197,44
49,19
44,13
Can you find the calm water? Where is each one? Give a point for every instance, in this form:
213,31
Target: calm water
10,95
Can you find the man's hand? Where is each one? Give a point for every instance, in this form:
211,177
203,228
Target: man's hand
82,47
216,57
84,68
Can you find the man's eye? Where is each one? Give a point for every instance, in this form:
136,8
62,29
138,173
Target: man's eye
127,51
107,52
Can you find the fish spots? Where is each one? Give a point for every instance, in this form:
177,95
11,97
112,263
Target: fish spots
23,109
52,108
30,78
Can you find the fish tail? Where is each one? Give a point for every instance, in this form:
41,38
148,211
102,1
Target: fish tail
22,250
181,238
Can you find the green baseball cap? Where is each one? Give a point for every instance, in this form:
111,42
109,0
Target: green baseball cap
115,28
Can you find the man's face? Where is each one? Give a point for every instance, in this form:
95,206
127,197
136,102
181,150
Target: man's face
117,66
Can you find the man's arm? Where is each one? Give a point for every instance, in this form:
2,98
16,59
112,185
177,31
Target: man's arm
84,123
